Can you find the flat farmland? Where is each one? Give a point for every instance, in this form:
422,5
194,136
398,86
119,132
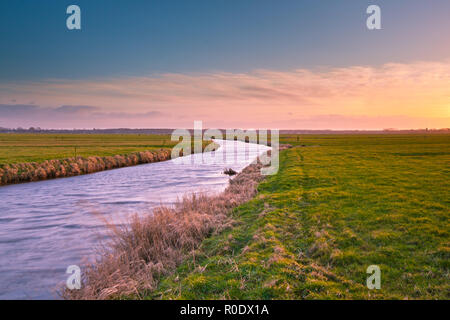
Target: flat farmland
20,148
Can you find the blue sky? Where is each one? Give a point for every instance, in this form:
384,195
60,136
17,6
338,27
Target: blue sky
141,37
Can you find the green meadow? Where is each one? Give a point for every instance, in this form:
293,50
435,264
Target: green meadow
19,148
339,204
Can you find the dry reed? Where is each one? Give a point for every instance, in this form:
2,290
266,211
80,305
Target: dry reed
58,168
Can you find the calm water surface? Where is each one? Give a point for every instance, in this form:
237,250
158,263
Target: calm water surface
48,225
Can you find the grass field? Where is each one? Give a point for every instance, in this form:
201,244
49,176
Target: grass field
19,148
337,205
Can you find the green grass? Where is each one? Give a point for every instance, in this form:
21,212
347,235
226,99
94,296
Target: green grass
18,148
336,206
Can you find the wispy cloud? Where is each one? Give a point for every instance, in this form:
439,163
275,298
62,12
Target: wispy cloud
392,95
68,116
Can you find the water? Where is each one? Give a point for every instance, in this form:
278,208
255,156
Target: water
48,225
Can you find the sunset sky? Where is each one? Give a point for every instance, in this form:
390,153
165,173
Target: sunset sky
248,63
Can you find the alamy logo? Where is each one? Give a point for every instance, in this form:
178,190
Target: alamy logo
374,281
74,280
374,20
74,20
260,138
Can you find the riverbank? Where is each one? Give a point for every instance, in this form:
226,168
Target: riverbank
153,245
92,153
61,168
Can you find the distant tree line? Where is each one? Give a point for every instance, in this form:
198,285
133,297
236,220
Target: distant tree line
169,131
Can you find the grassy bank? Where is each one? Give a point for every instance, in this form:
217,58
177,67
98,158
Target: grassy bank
337,205
33,157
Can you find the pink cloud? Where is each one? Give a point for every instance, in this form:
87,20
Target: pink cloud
392,95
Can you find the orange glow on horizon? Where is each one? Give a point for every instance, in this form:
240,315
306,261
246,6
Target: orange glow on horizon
414,95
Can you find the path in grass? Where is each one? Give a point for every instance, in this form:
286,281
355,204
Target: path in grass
336,207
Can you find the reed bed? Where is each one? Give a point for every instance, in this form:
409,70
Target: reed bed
58,168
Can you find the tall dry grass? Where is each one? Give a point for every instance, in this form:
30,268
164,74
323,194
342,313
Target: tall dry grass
49,169
153,245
